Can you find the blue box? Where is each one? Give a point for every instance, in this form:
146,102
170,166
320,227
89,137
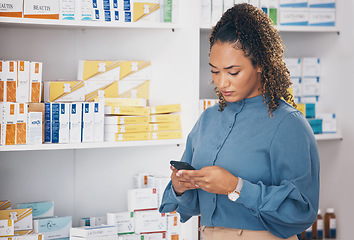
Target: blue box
310,110
39,209
316,125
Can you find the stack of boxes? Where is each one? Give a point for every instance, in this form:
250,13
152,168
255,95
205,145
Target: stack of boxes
87,10
33,221
305,76
205,103
281,12
20,93
142,220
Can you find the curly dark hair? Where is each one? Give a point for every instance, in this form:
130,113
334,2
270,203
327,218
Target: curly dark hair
250,29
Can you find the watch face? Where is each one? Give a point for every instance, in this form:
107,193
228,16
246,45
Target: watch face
233,196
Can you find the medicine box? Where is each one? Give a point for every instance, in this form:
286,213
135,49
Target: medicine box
154,236
165,135
160,184
173,225
39,209
67,10
2,82
75,125
24,232
84,10
293,3
164,118
100,89
114,120
293,16
23,82
91,232
125,110
5,204
53,122
316,125
314,99
133,88
273,10
123,220
322,17
205,103
36,79
64,91
98,70
216,10
296,86
205,12
131,128
165,126
36,108
11,8
329,122
8,125
142,199
311,67
264,6
310,86
294,66
87,122
53,227
105,4
150,222
93,221
141,180
135,70
111,237
22,218
106,15
170,108
21,123
136,102
146,10
322,4
9,238
43,9
34,236
10,76
6,228
119,137
98,121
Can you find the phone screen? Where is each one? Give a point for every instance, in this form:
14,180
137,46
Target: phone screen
181,165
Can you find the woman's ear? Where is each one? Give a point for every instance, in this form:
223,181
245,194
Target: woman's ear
259,69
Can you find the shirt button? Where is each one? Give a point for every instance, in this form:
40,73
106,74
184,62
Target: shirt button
219,147
213,199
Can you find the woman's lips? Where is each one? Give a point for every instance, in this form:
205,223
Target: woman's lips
227,93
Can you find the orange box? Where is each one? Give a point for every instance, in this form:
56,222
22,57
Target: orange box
21,124
10,72
11,8
35,81
2,83
9,120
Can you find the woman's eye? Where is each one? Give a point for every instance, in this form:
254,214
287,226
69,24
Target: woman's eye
214,71
233,74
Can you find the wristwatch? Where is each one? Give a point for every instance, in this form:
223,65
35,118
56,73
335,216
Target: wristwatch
235,194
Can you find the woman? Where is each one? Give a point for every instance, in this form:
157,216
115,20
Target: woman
256,156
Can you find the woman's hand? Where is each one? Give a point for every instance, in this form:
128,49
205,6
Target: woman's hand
213,179
181,184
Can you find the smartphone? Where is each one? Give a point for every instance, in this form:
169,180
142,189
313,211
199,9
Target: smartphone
181,165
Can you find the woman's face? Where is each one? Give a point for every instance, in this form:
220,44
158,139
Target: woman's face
233,73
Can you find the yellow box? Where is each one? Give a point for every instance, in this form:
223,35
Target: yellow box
126,120
133,102
33,236
165,108
64,91
165,135
6,228
21,123
119,137
10,73
22,218
35,82
165,126
5,204
9,121
164,118
100,89
124,110
24,232
133,88
146,10
131,128
113,70
301,107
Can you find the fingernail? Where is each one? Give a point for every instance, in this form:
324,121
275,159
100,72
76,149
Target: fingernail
196,185
178,174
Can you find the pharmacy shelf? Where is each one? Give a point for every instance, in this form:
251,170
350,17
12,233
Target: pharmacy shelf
207,27
329,136
73,146
28,22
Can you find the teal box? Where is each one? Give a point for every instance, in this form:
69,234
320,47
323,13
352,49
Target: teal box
316,125
53,227
39,209
310,110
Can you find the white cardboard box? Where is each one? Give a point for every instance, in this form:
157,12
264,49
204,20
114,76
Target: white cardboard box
75,122
23,81
123,220
34,128
35,93
44,9
11,8
39,209
151,221
87,122
142,199
53,227
98,231
7,228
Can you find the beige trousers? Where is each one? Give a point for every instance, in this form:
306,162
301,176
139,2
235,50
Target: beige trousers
218,233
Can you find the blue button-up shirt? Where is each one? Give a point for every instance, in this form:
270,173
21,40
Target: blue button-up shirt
276,157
